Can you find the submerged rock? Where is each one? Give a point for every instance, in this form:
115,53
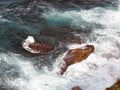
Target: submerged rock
76,55
76,88
72,40
116,86
65,34
30,45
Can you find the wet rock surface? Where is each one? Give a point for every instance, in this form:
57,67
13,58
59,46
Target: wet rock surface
41,47
76,88
76,55
71,40
66,34
115,86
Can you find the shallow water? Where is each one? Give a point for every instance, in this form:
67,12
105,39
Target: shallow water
20,70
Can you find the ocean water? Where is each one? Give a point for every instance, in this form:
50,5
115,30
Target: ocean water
20,70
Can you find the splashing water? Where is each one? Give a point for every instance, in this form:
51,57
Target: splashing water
98,71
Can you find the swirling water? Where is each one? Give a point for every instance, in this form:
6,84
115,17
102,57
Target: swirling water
20,70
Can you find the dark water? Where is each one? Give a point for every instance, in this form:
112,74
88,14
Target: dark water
37,18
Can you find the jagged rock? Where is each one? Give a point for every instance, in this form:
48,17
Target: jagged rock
30,45
76,88
76,55
115,86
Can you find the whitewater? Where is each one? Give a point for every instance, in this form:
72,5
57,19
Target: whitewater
99,71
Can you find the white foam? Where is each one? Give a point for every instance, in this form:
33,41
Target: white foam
31,79
74,46
30,39
27,41
96,72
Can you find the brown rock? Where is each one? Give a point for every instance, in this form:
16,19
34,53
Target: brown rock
57,32
115,86
76,55
76,88
72,40
41,47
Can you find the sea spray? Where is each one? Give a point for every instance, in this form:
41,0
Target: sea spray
99,71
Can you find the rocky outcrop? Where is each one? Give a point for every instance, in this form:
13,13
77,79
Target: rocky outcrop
41,47
76,55
30,45
116,86
76,88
